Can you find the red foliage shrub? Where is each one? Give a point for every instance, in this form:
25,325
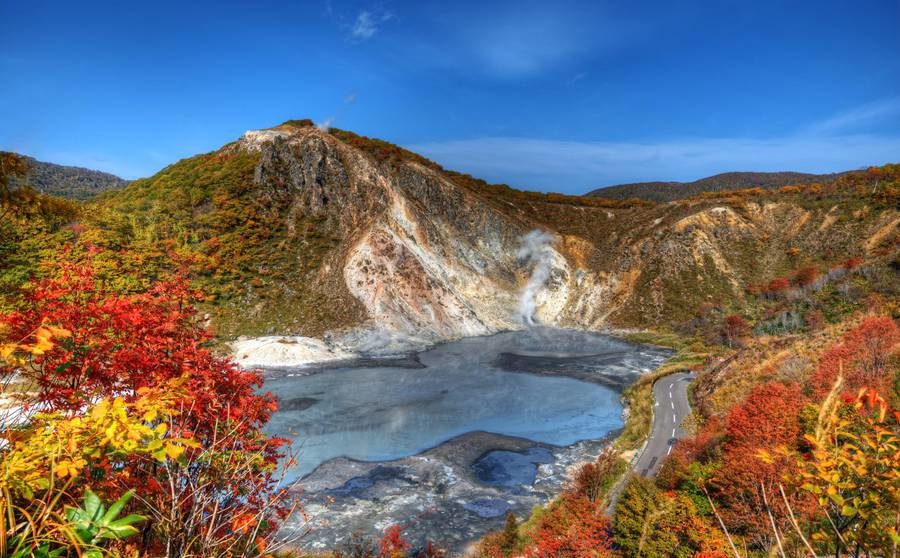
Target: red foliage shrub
778,285
592,479
862,356
851,263
767,417
392,544
121,343
805,276
573,526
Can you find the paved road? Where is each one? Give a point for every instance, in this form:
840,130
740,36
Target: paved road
670,407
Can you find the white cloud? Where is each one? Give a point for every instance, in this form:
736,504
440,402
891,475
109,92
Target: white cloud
527,38
859,116
575,167
367,24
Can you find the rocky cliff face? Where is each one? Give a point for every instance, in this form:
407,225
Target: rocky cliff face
421,252
422,255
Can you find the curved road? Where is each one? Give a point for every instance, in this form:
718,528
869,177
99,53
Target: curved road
670,408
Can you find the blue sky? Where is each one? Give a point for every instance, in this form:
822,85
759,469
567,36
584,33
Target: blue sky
562,96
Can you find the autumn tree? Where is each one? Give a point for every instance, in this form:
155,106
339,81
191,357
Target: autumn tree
649,522
734,328
766,421
694,461
47,461
226,488
510,541
12,167
594,479
634,514
503,543
862,358
853,475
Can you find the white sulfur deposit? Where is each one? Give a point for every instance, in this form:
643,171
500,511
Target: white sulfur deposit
283,351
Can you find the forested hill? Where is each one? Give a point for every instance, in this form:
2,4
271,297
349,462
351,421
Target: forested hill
670,191
69,182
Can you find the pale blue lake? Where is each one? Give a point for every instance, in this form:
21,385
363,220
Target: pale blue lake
511,383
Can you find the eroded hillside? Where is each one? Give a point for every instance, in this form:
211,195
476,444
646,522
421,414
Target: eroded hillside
295,230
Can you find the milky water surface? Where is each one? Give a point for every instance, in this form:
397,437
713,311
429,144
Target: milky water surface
494,383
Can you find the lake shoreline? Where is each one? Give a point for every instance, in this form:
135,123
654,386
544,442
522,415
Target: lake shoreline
435,494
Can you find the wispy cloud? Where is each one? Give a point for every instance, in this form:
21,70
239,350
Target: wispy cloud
576,78
367,24
575,167
858,116
524,39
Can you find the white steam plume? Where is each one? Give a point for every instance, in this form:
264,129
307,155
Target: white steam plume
325,125
536,249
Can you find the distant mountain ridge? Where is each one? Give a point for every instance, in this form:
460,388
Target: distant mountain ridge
75,183
671,191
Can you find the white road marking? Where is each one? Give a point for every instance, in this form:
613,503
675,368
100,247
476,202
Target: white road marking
673,430
672,403
669,451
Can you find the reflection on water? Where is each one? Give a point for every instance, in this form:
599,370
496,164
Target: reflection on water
379,413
